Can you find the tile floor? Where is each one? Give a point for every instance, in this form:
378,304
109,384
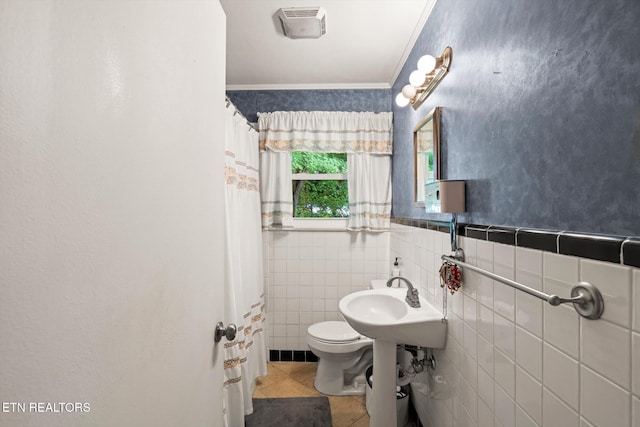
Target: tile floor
295,379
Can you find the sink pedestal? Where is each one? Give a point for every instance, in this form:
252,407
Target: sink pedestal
383,314
383,395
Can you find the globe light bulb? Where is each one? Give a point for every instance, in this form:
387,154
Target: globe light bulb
427,64
401,101
409,91
417,78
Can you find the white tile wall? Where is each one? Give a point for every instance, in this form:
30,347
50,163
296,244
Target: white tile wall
606,348
510,360
522,419
614,282
635,368
636,299
504,265
603,403
529,395
505,374
556,413
529,353
484,257
529,272
515,361
306,274
561,375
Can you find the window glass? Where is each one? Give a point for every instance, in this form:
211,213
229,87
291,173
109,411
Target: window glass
305,162
319,185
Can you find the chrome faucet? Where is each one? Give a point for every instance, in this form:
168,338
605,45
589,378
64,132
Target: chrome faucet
412,293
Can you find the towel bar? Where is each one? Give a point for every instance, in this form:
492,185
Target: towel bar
586,298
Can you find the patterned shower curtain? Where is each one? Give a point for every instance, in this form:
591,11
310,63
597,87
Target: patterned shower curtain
245,358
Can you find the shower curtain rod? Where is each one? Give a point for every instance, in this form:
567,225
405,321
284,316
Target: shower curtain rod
586,298
229,102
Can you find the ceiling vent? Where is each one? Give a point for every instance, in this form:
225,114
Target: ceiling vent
303,22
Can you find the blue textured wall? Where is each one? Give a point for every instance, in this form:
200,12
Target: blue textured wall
250,102
541,113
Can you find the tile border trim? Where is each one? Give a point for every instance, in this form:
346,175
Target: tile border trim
615,249
292,356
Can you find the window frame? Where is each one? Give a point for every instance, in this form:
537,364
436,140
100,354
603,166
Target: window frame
327,224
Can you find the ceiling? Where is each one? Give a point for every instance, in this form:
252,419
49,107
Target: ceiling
366,44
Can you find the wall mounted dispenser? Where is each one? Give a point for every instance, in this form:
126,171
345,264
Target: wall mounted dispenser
444,196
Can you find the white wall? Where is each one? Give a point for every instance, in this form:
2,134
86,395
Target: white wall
110,256
307,272
511,360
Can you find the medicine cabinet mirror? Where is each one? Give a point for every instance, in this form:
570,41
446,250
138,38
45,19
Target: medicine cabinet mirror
426,153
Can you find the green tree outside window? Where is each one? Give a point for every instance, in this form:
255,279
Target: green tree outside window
319,198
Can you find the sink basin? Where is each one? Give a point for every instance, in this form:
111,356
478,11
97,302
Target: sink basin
383,314
376,308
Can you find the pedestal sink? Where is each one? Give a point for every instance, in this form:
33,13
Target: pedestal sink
383,314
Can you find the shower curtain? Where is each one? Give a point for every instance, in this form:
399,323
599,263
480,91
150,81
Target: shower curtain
245,358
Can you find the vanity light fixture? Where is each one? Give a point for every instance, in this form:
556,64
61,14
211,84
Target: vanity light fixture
425,79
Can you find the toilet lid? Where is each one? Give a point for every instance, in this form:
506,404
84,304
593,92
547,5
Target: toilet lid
333,331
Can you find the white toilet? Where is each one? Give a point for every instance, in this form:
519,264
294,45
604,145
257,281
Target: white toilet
343,354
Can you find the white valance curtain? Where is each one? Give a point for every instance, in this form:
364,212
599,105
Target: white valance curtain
245,358
365,137
326,132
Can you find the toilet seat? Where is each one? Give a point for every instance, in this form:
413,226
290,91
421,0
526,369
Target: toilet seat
336,337
334,332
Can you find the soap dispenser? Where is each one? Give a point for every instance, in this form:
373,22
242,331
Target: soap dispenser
395,271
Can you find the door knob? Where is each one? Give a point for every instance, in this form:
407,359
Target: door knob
229,331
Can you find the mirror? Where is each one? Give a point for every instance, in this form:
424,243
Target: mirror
426,153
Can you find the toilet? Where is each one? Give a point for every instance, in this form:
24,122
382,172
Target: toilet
343,355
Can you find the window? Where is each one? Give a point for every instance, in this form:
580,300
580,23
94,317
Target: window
319,185
299,149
